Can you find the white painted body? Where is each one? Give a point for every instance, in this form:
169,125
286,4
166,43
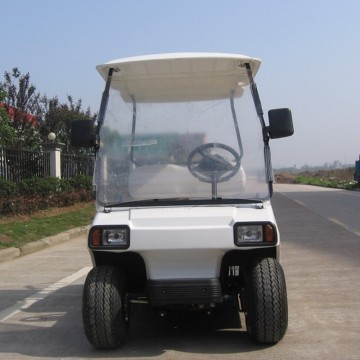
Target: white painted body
184,242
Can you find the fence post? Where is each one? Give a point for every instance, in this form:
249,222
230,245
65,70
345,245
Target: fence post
54,149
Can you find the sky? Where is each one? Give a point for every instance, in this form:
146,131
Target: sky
310,52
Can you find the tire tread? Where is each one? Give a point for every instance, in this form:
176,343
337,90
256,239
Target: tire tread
267,301
103,318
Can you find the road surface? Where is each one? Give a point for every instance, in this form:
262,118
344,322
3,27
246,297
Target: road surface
40,296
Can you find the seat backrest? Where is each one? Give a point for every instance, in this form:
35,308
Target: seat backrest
168,181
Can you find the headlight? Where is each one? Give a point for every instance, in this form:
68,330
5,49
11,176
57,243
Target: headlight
254,234
249,233
109,236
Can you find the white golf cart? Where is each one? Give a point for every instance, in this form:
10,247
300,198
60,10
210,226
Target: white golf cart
183,185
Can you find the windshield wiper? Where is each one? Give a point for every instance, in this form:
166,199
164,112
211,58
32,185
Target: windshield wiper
182,201
148,202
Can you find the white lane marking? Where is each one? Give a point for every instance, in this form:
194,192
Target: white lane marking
300,202
338,222
42,294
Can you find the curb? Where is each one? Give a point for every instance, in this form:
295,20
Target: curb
13,253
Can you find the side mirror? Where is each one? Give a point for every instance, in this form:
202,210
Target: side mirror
280,123
82,134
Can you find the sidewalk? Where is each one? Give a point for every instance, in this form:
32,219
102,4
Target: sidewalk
13,253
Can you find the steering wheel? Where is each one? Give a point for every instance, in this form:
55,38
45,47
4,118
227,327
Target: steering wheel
207,163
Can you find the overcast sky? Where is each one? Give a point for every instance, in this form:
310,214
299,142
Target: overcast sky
310,52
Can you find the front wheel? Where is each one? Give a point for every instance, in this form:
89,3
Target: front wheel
105,315
266,301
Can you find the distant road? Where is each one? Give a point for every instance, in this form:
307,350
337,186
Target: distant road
339,206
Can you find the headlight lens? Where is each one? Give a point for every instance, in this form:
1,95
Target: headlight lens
255,234
115,237
250,233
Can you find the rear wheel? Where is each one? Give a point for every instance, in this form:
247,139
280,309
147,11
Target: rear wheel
266,301
105,315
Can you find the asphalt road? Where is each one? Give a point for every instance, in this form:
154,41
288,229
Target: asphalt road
40,296
339,206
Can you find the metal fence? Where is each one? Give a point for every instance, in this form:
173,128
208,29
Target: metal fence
17,165
73,165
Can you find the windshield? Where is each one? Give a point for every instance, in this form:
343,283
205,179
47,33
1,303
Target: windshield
180,151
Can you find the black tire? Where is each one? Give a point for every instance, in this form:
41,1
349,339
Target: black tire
266,301
104,310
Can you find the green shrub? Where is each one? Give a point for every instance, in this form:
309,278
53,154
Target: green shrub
31,195
38,186
81,182
6,188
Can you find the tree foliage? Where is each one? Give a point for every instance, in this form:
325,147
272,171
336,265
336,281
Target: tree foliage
58,118
22,102
32,116
7,132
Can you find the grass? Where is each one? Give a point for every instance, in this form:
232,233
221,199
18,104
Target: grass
331,182
340,178
309,180
17,231
343,184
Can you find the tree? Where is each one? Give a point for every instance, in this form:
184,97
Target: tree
58,118
7,132
23,103
33,116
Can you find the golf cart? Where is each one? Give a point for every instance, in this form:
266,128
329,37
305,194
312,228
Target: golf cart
183,186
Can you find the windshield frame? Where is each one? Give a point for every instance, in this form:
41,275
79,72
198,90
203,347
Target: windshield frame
182,200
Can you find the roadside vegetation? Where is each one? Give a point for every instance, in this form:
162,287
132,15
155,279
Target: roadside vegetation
31,195
339,178
37,208
15,231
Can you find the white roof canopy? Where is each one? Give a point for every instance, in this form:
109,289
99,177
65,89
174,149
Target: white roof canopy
179,76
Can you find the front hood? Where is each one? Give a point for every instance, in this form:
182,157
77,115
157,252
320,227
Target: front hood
185,216
189,217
